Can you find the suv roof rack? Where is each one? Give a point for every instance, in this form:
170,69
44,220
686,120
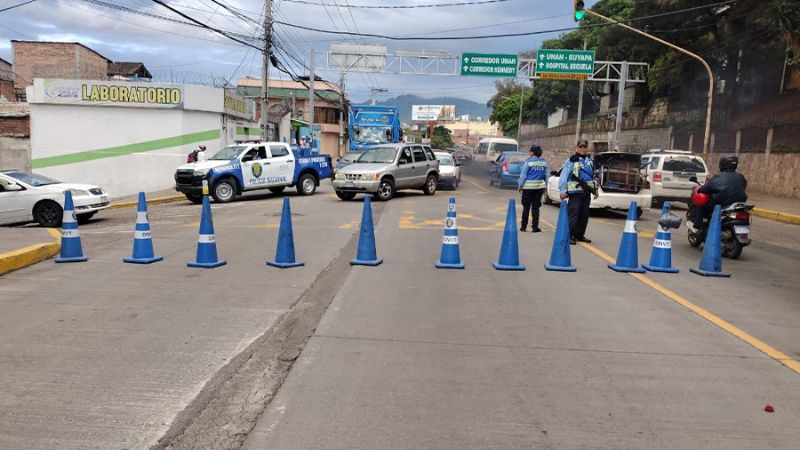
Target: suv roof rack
662,150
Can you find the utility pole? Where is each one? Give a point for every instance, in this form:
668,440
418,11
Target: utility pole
341,112
519,118
580,103
707,137
623,76
375,91
311,99
265,69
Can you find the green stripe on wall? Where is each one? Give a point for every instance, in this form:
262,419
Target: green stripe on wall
248,131
122,150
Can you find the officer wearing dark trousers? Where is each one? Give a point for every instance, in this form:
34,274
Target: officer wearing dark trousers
577,184
532,183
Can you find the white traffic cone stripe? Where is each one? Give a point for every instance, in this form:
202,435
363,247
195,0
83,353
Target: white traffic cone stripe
142,235
662,243
68,217
141,217
450,240
450,223
630,226
70,233
205,239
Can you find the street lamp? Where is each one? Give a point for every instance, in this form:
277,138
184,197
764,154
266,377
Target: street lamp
519,118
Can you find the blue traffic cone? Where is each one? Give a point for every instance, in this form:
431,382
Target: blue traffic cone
451,255
711,261
71,250
560,259
367,254
661,257
628,255
206,243
509,248
284,254
142,240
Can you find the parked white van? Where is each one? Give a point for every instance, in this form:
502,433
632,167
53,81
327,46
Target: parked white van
489,149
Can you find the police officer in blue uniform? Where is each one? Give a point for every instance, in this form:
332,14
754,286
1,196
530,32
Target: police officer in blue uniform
577,184
531,185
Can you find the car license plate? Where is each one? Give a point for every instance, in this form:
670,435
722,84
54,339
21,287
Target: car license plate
348,183
741,229
103,199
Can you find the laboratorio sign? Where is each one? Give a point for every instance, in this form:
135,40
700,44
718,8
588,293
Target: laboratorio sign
119,94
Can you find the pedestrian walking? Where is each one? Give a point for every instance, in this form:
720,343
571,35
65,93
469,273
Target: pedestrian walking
197,155
577,184
531,185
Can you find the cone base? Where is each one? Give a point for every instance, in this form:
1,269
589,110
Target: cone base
706,273
650,268
207,265
441,265
366,262
284,265
617,268
552,267
70,259
499,266
143,260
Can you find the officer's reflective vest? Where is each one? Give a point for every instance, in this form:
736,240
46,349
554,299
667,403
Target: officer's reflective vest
583,169
537,173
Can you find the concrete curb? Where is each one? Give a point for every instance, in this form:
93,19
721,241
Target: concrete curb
30,255
777,216
155,201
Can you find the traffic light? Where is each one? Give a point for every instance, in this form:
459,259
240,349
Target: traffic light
579,13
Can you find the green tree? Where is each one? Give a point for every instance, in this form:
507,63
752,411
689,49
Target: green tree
442,138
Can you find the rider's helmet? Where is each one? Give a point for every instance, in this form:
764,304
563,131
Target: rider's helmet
699,198
728,163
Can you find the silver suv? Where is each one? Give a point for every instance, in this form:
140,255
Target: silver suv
384,169
669,171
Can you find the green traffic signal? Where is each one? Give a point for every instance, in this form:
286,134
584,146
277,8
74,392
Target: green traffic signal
579,15
578,6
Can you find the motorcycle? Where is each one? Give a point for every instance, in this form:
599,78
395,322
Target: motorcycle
734,224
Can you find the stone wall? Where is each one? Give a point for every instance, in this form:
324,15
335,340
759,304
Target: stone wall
15,132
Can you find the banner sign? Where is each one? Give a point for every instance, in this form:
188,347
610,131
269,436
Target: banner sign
238,106
113,93
433,113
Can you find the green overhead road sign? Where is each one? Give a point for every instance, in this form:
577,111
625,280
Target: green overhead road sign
489,65
564,64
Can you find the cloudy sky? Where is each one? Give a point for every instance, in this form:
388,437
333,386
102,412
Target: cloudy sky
177,52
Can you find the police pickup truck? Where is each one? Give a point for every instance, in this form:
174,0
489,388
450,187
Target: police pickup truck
252,166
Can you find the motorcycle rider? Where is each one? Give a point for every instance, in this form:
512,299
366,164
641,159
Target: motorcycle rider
726,187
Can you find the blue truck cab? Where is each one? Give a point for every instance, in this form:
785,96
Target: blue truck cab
240,168
371,125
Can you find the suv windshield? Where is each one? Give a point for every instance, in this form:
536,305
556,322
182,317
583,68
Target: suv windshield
351,157
373,135
683,164
31,179
228,153
383,155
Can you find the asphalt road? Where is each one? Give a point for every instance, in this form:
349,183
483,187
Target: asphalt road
109,355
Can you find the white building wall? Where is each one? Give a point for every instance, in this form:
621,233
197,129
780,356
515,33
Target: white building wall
127,148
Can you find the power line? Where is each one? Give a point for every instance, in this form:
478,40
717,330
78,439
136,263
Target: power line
432,5
494,36
17,5
216,30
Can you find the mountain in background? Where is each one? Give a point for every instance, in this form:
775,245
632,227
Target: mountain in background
404,102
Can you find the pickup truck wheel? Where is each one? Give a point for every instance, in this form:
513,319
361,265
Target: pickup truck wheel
307,184
224,190
194,198
277,190
385,191
346,195
48,213
430,185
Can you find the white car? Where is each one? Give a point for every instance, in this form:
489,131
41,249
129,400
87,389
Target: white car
668,172
449,170
620,179
28,197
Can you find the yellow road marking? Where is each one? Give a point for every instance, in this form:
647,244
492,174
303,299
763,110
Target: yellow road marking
749,339
408,222
350,225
